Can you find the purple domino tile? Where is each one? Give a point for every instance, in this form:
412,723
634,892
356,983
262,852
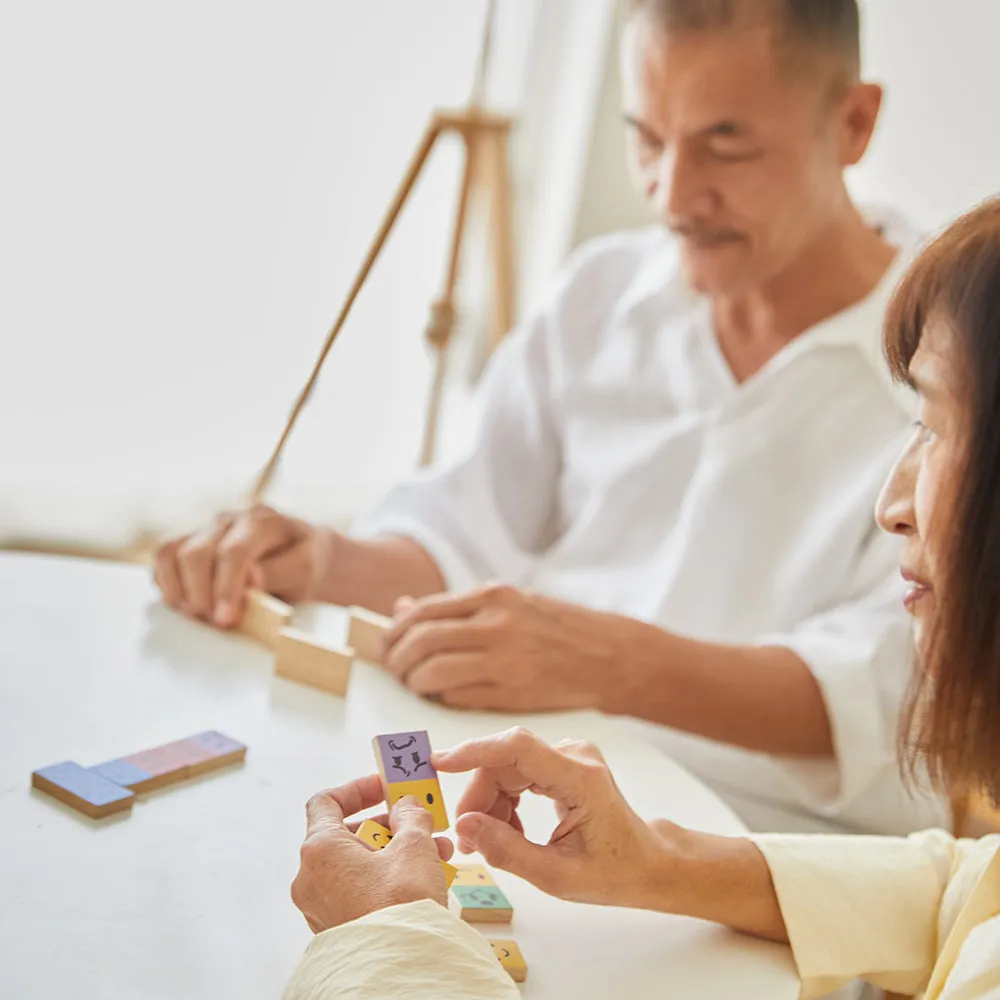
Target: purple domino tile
406,756
216,743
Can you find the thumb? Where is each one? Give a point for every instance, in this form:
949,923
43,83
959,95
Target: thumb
504,847
409,815
403,605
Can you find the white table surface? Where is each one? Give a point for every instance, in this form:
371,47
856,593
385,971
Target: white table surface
188,896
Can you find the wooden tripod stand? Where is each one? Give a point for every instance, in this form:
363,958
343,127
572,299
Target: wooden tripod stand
485,136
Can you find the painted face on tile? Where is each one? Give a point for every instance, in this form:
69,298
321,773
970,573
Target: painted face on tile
473,875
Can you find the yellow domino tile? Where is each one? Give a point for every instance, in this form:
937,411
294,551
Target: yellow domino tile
378,836
473,875
374,833
426,792
510,957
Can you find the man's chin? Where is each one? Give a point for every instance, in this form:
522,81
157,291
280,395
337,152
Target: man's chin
714,272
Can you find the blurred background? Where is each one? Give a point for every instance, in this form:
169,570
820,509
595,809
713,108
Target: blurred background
187,189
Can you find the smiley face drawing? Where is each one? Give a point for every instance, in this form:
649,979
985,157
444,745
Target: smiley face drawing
510,957
374,834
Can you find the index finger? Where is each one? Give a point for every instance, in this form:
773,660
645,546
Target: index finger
246,542
433,609
510,763
327,810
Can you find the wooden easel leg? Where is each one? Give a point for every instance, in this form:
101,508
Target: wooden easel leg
413,171
501,237
443,311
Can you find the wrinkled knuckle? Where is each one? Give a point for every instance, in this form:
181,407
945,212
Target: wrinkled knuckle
193,552
167,550
520,737
499,593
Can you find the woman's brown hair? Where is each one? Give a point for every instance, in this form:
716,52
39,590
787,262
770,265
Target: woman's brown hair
952,715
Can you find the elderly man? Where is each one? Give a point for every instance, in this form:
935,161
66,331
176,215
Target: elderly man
679,454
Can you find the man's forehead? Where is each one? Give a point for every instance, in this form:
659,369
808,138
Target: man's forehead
748,56
710,73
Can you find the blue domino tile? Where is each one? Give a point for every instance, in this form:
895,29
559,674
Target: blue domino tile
83,783
120,772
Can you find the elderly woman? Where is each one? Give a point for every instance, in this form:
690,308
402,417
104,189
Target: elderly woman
910,915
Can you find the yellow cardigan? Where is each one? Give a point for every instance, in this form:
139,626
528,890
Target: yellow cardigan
920,914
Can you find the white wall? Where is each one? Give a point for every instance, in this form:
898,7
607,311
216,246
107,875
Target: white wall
186,191
937,150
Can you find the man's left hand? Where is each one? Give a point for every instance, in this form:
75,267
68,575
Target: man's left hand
499,648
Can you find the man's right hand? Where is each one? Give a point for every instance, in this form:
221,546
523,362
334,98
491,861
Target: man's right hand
207,574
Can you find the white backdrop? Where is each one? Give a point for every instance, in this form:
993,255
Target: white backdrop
186,191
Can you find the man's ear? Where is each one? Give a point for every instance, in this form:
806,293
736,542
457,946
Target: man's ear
857,118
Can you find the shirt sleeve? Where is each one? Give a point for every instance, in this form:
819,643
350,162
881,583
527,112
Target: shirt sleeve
414,952
488,514
876,908
860,651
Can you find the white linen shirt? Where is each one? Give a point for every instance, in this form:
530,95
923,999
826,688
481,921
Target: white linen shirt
618,464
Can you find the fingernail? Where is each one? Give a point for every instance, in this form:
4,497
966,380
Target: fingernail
224,613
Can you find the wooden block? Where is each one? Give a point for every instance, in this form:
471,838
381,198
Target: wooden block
264,618
510,957
221,751
158,767
365,634
80,788
378,836
126,775
404,764
473,875
374,834
299,657
481,904
161,766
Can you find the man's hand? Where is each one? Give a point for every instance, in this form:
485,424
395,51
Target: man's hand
601,851
503,649
341,878
206,574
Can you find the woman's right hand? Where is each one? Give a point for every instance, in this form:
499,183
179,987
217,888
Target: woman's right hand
601,851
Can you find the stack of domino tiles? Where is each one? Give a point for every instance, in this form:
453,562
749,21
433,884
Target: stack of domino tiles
302,657
111,787
404,763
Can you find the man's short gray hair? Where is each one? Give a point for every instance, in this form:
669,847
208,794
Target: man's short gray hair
831,26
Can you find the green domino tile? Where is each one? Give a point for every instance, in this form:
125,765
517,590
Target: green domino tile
480,897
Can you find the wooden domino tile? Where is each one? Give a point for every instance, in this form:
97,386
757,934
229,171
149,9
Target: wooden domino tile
404,764
264,618
374,834
378,837
365,634
158,767
473,875
481,904
510,957
299,657
80,788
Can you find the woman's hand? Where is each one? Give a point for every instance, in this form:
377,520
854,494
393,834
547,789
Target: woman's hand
601,851
341,878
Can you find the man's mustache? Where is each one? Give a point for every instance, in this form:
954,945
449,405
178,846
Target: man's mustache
702,234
